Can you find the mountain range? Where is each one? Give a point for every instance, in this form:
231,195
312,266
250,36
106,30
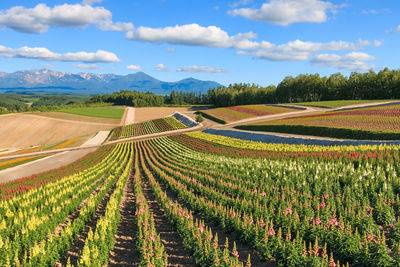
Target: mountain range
49,81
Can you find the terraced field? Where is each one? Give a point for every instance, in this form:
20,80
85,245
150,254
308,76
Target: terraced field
235,113
201,199
147,127
378,122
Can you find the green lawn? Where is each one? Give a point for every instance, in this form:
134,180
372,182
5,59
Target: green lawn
336,103
101,112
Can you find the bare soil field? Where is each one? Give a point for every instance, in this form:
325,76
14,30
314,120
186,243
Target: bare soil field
145,114
23,130
73,117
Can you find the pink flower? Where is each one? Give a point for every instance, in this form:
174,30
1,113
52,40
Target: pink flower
271,231
151,238
263,194
288,211
326,195
317,221
322,205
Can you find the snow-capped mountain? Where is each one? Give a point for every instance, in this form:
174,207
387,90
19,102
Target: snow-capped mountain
89,83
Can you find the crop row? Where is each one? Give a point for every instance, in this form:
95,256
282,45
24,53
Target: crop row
233,147
147,127
10,189
385,119
30,222
296,210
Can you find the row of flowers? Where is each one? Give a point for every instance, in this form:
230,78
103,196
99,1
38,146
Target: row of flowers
292,197
197,237
147,127
148,243
23,185
31,221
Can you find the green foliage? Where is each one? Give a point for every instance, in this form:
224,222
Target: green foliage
102,112
324,131
199,118
312,87
210,117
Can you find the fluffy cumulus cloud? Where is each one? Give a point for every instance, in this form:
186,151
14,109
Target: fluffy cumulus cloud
285,12
199,69
244,43
162,67
133,67
88,66
300,50
355,61
39,18
42,53
189,34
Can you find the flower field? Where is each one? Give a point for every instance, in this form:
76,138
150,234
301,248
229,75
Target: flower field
230,203
367,123
235,113
147,127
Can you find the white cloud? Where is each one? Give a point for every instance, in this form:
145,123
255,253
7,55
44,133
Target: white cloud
88,66
162,67
170,49
189,34
198,69
41,17
300,50
354,61
91,2
133,67
42,53
212,36
285,12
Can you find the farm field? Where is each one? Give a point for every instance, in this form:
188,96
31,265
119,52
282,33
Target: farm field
100,112
146,114
147,127
235,113
380,122
81,118
337,103
219,203
24,130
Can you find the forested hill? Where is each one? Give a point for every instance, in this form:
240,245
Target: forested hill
312,87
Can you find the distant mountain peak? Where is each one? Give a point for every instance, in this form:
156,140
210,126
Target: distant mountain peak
91,83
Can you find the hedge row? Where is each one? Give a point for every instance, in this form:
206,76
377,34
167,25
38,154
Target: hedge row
210,117
332,132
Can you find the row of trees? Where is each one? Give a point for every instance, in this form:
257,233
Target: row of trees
304,88
148,99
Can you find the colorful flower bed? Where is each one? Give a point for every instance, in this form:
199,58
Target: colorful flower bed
291,205
147,127
300,211
377,123
234,113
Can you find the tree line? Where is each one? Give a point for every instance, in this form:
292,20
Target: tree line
312,87
148,99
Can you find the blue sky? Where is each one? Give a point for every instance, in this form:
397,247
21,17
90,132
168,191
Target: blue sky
227,41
